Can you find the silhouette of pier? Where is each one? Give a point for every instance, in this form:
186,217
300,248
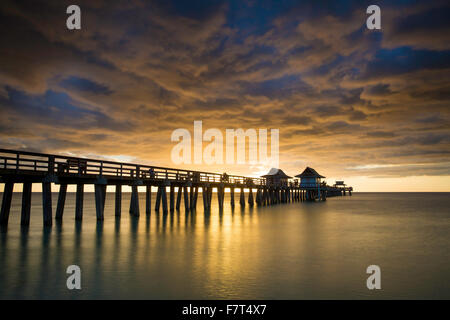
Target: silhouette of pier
173,185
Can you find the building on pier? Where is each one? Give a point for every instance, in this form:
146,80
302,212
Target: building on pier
310,178
276,178
338,184
311,182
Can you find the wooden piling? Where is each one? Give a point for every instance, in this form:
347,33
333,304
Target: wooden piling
148,199
250,197
134,203
210,189
195,198
61,201
186,198
205,198
179,194
118,202
26,204
164,199
172,198
79,197
100,195
220,195
232,196
6,203
242,198
47,203
191,197
158,199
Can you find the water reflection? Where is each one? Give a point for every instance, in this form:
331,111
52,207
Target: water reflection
286,251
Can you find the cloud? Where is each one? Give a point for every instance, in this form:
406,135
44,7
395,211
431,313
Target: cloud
138,70
86,85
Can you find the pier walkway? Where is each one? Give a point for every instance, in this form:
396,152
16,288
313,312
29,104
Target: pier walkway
173,185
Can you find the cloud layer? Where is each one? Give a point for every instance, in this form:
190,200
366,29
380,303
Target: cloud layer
347,100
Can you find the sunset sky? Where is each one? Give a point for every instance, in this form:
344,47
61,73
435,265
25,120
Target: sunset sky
369,107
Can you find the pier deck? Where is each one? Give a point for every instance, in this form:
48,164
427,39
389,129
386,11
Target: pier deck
30,167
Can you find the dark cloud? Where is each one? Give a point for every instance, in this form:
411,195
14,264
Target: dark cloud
137,70
379,89
381,134
86,85
403,60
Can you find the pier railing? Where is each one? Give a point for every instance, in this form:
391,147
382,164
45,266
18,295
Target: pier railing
30,167
24,161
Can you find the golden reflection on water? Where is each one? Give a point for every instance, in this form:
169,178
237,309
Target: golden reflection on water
292,251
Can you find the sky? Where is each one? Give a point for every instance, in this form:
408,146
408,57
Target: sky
370,107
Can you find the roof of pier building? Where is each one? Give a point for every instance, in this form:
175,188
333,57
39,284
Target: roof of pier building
276,173
309,173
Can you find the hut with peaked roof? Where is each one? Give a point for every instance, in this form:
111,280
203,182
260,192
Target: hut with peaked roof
310,179
276,178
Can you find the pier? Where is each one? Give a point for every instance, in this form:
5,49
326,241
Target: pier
173,186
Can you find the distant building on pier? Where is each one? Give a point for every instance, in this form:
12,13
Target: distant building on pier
339,184
309,178
276,178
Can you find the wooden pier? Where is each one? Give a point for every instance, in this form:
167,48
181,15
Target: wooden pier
182,185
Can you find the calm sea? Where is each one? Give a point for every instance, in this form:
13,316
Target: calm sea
287,251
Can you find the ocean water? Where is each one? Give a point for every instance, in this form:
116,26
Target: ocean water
286,251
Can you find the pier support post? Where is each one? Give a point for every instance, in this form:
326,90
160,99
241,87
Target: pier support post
242,198
210,189
164,199
186,198
134,203
79,197
180,191
47,203
220,195
118,202
191,197
194,207
61,201
6,203
100,195
26,204
232,196
250,197
158,199
205,198
148,199
172,198
264,196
